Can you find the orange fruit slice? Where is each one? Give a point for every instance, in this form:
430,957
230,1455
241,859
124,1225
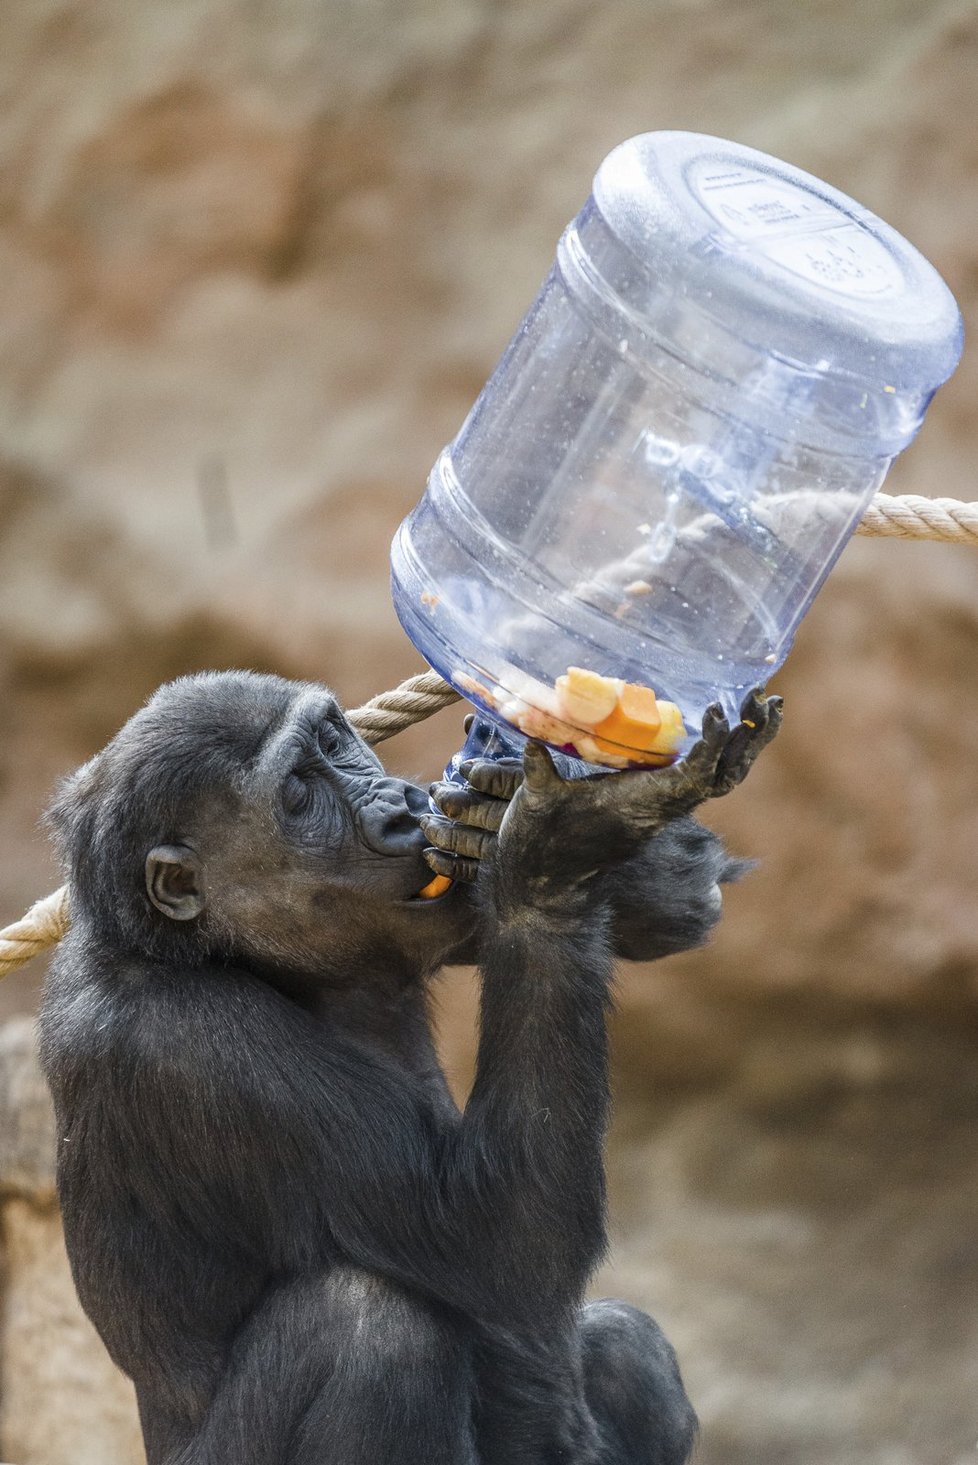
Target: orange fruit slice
634,724
586,697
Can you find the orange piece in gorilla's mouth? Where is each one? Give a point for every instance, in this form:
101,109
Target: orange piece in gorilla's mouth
435,887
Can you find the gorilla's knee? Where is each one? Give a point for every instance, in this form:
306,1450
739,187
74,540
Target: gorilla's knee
390,1329
396,1347
634,1386
399,1389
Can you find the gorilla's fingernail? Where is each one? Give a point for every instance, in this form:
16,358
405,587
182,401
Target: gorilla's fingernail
466,768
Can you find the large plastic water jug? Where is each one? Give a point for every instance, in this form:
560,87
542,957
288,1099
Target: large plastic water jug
678,442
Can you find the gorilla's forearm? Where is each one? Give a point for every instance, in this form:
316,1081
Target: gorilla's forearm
539,1105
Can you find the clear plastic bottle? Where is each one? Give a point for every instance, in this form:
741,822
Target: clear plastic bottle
680,438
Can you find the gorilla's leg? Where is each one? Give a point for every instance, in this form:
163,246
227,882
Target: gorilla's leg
400,1390
339,1369
633,1387
530,1404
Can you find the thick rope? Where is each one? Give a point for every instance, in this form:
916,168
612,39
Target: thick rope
43,926
913,517
906,517
391,712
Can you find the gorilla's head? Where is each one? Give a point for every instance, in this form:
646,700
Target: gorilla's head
241,817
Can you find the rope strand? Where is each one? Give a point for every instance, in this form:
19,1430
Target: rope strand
908,516
391,712
43,926
912,517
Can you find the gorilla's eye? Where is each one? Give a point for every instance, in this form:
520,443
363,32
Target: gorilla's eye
328,738
297,792
301,784
318,748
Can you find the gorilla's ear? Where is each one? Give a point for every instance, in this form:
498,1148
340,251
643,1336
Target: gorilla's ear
174,881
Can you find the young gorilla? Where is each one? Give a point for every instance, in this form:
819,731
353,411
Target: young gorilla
281,1225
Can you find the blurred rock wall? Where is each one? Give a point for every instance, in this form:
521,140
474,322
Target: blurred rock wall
256,259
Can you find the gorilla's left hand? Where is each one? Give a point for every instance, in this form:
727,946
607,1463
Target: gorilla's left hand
465,836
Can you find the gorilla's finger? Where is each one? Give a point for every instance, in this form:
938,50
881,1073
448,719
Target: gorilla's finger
500,778
716,728
761,720
700,762
768,727
454,866
467,722
775,717
755,708
539,770
457,839
735,759
656,797
469,807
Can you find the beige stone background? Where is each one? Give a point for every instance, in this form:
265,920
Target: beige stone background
256,259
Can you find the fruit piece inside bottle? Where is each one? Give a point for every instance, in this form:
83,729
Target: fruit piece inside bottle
600,719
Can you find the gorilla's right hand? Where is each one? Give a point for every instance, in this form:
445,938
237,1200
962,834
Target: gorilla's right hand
464,838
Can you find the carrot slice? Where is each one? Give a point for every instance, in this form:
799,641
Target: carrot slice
434,887
634,723
639,704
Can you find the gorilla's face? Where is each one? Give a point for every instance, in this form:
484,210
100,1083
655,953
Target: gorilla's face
309,856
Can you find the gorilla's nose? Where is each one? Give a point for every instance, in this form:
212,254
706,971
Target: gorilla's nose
388,823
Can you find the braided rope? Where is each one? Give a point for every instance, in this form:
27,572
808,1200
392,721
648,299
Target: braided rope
43,926
913,517
906,517
391,712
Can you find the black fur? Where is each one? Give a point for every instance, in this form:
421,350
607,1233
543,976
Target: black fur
282,1227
